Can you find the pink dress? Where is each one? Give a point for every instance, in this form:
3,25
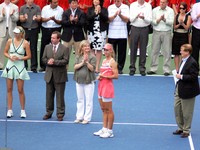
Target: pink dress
106,87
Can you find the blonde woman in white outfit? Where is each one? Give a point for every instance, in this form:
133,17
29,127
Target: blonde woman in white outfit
84,75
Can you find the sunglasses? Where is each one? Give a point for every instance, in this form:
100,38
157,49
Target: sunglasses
182,8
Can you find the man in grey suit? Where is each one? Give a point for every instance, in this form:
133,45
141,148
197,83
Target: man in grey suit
9,15
55,57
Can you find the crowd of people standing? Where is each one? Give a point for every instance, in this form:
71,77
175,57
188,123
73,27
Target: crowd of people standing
115,21
87,25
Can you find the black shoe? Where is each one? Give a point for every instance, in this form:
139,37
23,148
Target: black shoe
41,70
184,135
150,73
143,73
34,70
60,117
46,116
1,68
166,74
131,73
177,132
120,72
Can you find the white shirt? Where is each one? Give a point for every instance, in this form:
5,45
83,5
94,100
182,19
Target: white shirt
48,12
145,10
182,64
194,13
56,47
73,11
118,28
169,16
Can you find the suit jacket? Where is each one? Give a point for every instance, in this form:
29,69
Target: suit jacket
72,28
57,71
188,87
103,19
11,21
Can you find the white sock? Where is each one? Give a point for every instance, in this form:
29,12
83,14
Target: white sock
104,129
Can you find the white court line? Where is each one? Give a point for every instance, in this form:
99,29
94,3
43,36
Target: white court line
155,75
117,123
191,142
69,122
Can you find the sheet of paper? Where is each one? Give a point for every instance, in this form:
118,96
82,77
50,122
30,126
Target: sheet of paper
174,72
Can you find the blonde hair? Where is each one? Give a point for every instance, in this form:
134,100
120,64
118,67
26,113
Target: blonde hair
187,48
81,45
111,49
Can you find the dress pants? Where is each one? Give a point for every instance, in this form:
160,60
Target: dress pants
164,39
195,43
57,89
31,35
72,43
119,46
138,35
85,93
3,41
183,109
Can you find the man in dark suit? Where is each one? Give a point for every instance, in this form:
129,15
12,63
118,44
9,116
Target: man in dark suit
187,88
73,21
55,57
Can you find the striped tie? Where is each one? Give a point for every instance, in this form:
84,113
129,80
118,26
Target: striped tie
54,50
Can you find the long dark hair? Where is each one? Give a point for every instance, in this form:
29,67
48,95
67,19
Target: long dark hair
101,3
184,5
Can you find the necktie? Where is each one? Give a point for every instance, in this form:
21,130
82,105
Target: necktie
54,50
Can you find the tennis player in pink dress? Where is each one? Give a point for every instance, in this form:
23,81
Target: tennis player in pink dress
108,71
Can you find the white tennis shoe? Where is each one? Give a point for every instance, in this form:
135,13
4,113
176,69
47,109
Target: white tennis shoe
9,113
23,114
107,134
100,132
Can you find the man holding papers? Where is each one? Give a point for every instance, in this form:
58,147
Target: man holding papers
187,88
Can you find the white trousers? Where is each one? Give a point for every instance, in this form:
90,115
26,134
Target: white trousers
85,93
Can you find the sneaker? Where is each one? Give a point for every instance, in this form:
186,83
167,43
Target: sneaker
138,52
107,134
77,121
9,114
23,114
85,122
100,132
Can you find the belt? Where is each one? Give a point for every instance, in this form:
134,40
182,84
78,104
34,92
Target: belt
30,29
181,31
51,28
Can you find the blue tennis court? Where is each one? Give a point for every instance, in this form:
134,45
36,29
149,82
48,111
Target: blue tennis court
144,118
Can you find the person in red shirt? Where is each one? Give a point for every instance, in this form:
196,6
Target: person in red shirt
108,3
41,3
19,3
84,5
64,4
